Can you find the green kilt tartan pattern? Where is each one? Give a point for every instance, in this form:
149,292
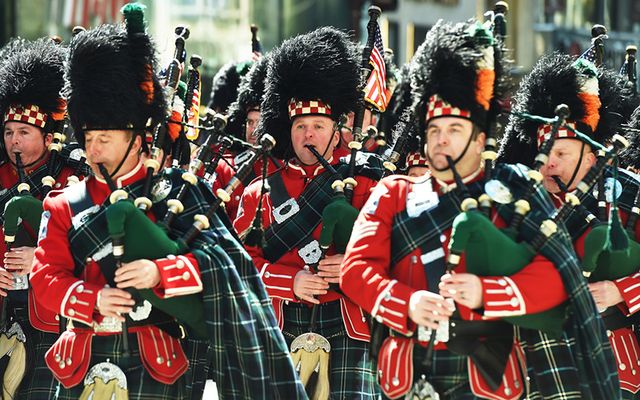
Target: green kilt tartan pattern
551,367
199,354
38,382
448,373
351,372
140,384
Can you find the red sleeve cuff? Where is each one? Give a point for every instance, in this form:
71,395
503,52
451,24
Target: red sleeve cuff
179,275
629,288
79,301
502,297
392,307
278,280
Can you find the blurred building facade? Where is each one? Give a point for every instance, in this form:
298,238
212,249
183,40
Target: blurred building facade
220,28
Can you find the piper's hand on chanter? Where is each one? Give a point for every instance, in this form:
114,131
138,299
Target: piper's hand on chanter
6,282
19,260
428,309
463,288
605,294
307,285
113,302
139,274
329,268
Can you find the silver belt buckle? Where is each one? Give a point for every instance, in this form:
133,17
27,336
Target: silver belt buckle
108,325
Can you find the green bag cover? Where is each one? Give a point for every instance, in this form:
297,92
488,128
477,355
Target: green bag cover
603,260
142,238
338,218
24,208
490,251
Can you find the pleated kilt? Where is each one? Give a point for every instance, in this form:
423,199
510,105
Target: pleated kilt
448,373
551,367
351,372
38,382
140,384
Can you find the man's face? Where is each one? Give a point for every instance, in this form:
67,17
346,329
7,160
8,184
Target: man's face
25,139
108,147
417,171
563,159
347,134
448,136
253,117
316,130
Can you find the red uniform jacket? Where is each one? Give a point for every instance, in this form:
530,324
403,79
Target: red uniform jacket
225,171
624,340
75,297
40,318
278,277
384,290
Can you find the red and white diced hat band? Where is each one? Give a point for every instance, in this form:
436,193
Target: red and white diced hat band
28,114
438,107
544,132
415,159
308,107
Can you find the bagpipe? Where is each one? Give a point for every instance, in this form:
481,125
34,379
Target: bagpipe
131,230
12,337
530,228
473,234
611,251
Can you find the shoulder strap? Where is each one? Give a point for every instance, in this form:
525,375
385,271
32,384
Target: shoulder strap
296,219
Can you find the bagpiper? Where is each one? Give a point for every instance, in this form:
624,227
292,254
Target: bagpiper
311,84
598,100
116,344
244,115
31,78
452,323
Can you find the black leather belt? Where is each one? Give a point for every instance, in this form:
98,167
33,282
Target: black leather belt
481,328
156,318
614,319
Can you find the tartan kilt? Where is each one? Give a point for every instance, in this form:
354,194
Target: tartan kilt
351,372
38,382
199,354
626,395
551,367
448,374
140,384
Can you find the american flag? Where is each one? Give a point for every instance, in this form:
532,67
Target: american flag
590,54
376,92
